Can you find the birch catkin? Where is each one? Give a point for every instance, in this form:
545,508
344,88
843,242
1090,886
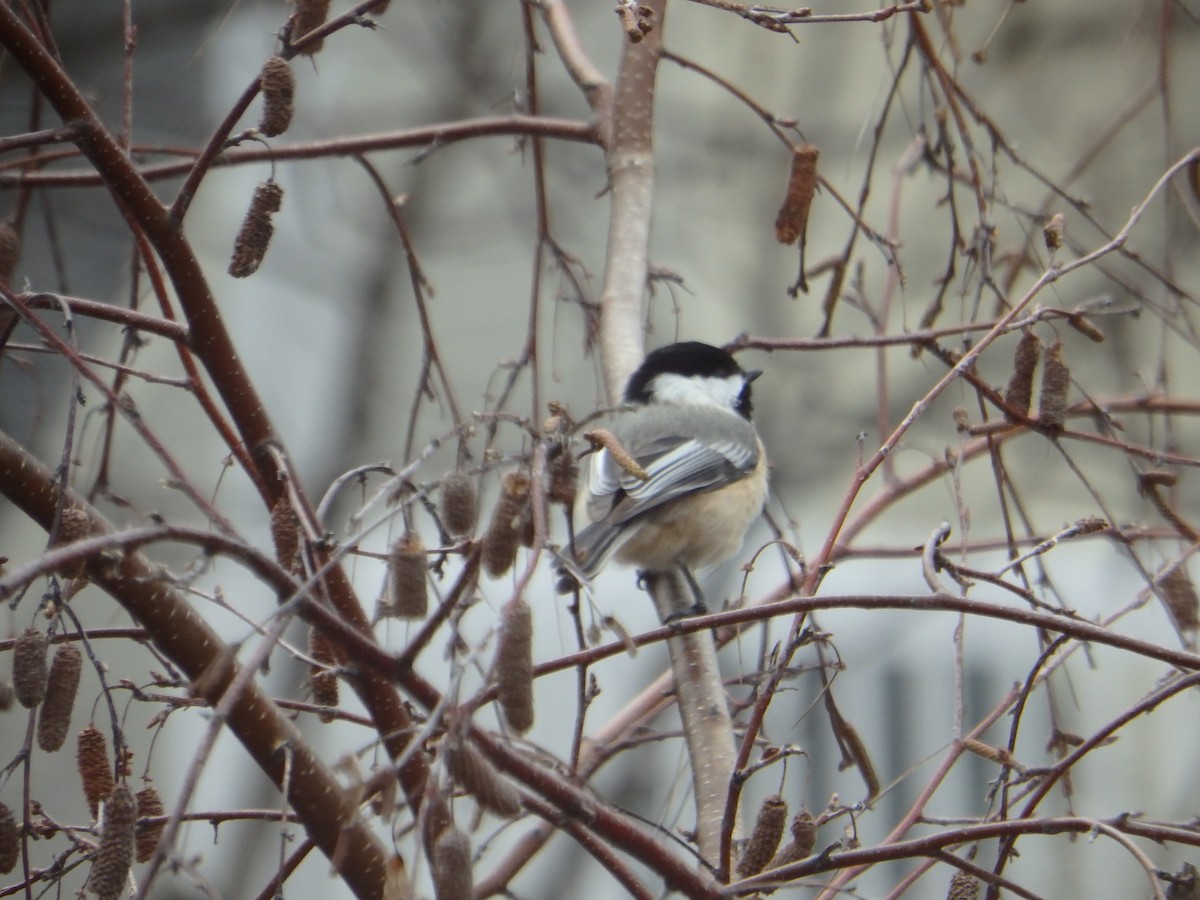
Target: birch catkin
54,720
253,238
503,534
278,91
452,876
149,805
408,588
458,506
10,840
110,866
1056,381
764,839
514,665
792,221
29,667
95,769
476,775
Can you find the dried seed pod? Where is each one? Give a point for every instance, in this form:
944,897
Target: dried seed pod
10,251
1056,380
74,526
1053,231
1086,328
407,586
1150,485
110,865
804,838
10,840
278,91
564,478
452,876
285,534
804,831
54,720
998,755
603,438
476,775
1019,394
963,886
459,507
764,839
95,769
500,540
321,680
309,14
29,668
792,221
1179,596
789,853
6,695
453,879
149,805
514,665
253,238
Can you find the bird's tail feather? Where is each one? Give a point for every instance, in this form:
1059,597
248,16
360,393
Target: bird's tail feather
592,546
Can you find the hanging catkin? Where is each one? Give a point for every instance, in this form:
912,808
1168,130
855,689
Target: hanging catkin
95,769
514,665
110,865
278,92
29,667
54,719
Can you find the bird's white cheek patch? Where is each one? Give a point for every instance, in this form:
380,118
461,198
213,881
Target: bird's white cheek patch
721,392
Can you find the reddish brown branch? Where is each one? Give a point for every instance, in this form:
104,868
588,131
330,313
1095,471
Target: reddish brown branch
178,631
108,312
432,136
212,345
966,834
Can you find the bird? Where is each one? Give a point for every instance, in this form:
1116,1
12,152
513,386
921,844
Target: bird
685,476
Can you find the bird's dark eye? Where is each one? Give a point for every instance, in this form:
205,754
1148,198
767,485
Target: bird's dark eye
744,405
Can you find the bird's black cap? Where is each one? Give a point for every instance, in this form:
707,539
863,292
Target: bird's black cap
687,358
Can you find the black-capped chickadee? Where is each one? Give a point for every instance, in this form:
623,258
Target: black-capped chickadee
705,471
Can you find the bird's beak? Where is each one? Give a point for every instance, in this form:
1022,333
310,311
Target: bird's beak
752,375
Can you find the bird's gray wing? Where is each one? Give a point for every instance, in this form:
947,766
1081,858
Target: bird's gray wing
676,466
